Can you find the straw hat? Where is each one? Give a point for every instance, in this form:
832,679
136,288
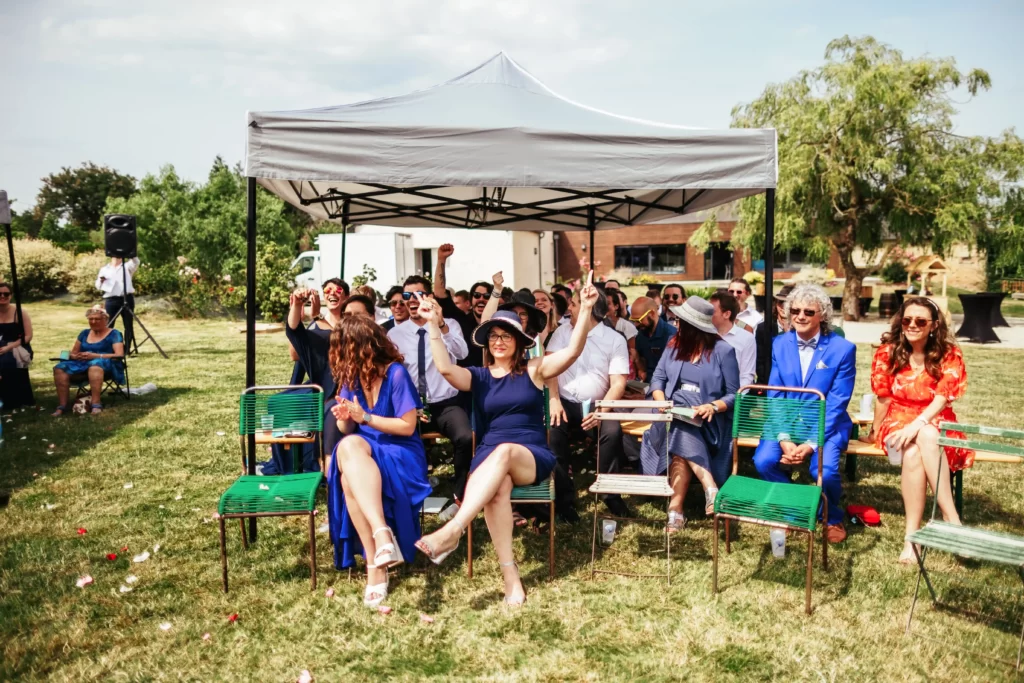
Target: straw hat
696,312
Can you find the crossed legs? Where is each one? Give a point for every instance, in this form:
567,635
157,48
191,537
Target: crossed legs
489,489
360,480
680,472
920,467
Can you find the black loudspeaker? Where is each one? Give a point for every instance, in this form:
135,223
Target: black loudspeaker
119,235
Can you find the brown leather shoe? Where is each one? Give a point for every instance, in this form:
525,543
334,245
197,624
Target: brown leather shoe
836,533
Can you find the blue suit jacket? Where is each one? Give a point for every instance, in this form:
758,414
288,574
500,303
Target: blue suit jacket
832,372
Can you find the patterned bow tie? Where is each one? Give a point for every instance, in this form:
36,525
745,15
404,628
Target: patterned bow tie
809,344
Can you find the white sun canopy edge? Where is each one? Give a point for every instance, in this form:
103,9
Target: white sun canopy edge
495,148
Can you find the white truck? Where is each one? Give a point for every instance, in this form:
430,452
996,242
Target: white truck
391,255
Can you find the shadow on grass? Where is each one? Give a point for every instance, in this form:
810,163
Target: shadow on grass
80,432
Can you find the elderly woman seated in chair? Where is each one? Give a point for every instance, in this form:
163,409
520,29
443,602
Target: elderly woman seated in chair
96,354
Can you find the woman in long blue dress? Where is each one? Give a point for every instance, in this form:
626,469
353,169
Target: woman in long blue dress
377,479
96,353
698,370
509,407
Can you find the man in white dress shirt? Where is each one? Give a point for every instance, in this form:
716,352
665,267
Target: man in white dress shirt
598,374
726,310
748,316
118,291
443,408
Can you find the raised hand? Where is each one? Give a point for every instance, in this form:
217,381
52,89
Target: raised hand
430,310
299,297
499,280
444,251
589,293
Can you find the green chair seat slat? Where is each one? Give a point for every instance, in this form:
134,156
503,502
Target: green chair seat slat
280,412
979,544
766,418
987,446
795,505
982,430
286,493
543,491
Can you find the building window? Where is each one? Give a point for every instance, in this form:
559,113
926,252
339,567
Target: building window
657,259
791,259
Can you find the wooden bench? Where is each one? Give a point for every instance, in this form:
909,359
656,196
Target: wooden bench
859,448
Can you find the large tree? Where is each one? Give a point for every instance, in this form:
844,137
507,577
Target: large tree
868,158
77,197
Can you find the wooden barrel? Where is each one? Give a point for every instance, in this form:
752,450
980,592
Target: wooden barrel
887,305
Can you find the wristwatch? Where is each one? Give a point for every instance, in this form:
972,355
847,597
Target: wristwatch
366,418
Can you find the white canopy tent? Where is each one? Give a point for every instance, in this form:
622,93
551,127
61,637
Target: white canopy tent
495,149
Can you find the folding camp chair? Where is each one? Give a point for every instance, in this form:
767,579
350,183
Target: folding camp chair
793,507
971,542
110,386
632,484
289,419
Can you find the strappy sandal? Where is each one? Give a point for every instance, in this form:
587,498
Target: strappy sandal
676,521
388,554
97,408
60,411
709,501
518,519
376,593
425,548
513,603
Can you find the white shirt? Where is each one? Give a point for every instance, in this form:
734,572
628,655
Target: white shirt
807,355
746,353
626,328
589,377
405,336
111,281
750,317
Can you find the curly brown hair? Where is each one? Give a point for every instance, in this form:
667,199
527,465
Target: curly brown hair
940,340
360,352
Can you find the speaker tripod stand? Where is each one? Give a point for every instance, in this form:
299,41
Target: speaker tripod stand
127,313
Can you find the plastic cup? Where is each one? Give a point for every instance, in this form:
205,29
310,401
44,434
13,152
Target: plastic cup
608,527
586,407
267,422
778,538
895,454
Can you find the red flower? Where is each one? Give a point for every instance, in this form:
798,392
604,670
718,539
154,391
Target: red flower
82,531
233,618
231,290
124,549
111,556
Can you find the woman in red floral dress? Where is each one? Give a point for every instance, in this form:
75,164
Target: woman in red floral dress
916,374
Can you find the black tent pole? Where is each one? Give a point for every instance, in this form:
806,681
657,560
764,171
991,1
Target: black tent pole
344,235
769,272
250,325
14,284
591,224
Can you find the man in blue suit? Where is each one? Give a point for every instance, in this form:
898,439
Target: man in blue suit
811,356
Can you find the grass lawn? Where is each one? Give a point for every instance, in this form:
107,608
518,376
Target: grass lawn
574,628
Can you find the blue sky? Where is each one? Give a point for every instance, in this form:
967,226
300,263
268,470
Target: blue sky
141,83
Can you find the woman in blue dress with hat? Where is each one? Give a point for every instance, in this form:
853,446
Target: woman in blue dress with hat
377,479
509,408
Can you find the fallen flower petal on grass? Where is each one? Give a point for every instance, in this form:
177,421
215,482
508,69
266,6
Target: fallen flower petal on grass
233,618
111,556
141,557
51,506
426,618
384,609
177,497
129,485
52,446
166,626
304,677
131,578
329,593
126,589
206,636
124,549
23,438
83,581
221,434
156,548
82,531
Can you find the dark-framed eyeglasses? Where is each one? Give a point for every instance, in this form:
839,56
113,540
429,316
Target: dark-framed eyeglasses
409,295
480,295
806,312
919,323
502,337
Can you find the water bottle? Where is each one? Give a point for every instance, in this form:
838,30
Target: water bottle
448,513
778,537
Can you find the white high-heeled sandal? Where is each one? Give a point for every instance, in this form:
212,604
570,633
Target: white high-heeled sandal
709,501
505,600
380,590
429,552
388,554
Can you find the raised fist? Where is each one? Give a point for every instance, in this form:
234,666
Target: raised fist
444,251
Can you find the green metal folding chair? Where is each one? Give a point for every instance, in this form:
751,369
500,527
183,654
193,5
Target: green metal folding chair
793,507
279,418
964,541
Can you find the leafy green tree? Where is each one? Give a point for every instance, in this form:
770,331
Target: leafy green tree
26,223
163,207
1004,243
76,197
868,157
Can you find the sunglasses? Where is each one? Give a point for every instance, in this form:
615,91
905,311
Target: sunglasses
673,297
480,295
641,318
395,303
5,295
737,292
916,322
806,312
409,295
